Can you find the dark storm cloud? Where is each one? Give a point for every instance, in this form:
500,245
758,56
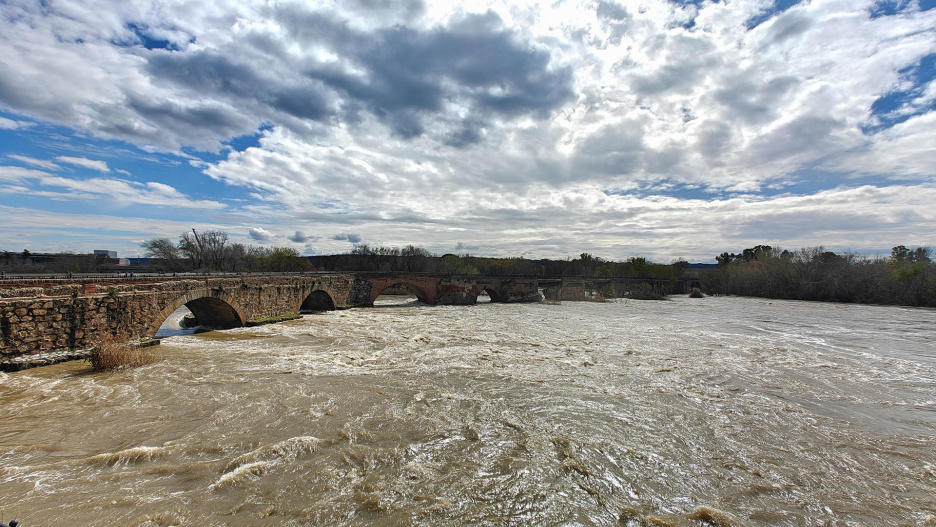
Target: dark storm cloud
469,132
690,60
210,72
803,135
408,9
614,150
180,118
616,18
304,102
715,140
18,94
750,103
14,92
789,25
612,11
406,78
206,71
411,75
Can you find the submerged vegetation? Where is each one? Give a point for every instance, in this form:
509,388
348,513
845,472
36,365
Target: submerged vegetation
110,354
906,277
644,291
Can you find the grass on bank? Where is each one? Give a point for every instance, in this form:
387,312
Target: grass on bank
110,354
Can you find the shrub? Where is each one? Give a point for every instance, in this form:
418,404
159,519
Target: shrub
109,355
696,293
644,291
597,297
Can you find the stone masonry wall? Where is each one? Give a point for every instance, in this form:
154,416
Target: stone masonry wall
42,322
59,315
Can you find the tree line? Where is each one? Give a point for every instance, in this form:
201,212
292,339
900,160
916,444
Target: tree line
411,259
906,277
213,251
27,262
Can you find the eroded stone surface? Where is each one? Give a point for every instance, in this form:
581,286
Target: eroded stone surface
39,318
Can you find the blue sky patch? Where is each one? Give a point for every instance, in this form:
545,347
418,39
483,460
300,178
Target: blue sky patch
890,7
150,39
63,153
239,144
900,105
779,7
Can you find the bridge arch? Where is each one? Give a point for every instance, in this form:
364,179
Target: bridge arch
419,292
318,300
492,294
209,310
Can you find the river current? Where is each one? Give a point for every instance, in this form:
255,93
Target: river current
715,411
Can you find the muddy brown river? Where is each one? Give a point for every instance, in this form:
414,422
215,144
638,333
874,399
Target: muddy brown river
715,411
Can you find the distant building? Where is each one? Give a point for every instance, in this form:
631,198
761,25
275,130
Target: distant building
110,254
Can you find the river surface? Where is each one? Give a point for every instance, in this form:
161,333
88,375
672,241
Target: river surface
716,411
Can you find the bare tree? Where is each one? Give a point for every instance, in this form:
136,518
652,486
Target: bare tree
235,257
212,245
164,250
190,247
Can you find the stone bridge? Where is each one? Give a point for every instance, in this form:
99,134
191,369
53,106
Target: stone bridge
43,315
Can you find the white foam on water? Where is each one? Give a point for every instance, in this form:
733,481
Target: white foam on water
242,474
723,409
278,452
128,456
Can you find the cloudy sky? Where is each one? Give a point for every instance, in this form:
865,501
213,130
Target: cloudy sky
498,128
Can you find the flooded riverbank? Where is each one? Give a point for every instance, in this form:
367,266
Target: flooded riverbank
748,411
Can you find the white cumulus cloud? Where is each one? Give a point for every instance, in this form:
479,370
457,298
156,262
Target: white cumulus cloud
93,164
260,234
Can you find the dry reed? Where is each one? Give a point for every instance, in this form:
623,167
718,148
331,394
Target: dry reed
110,354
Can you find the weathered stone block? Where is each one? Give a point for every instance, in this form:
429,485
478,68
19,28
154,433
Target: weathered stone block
68,321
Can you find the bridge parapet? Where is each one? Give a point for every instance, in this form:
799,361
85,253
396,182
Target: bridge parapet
39,317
